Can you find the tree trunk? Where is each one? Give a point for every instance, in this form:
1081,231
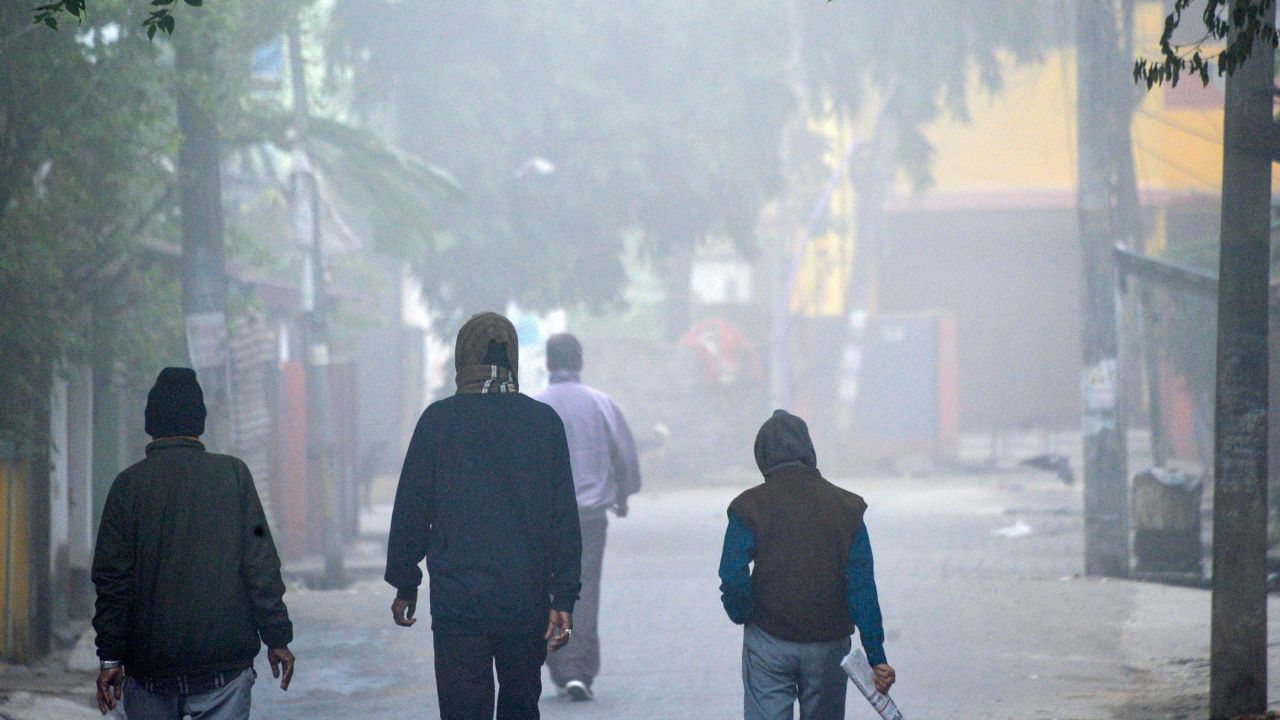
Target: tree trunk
1238,648
204,281
18,132
1104,114
873,185
107,459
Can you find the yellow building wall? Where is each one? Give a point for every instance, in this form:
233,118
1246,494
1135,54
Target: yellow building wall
1024,140
15,563
1018,150
1019,147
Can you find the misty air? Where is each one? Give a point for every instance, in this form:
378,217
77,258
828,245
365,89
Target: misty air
649,360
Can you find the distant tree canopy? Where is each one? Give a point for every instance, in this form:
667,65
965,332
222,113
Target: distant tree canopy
1237,23
661,117
915,60
664,117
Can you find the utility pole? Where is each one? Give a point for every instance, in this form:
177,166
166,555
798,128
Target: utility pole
1104,111
204,277
320,441
1238,646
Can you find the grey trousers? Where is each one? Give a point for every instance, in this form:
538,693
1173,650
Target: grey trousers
580,659
777,673
229,702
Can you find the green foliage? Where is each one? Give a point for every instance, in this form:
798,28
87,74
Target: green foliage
159,17
81,186
88,220
48,13
1238,23
88,216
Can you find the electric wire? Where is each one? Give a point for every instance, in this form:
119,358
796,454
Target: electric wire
1174,165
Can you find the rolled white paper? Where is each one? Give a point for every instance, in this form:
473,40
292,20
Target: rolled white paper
859,671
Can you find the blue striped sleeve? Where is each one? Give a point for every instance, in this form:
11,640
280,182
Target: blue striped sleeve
864,601
735,571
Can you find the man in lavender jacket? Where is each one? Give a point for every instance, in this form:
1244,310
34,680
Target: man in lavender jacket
605,472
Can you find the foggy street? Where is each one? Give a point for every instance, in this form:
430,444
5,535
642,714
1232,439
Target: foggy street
1008,269
984,567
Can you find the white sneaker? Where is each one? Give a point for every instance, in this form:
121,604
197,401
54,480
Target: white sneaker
577,690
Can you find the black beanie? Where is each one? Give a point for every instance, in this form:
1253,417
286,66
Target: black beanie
564,352
175,405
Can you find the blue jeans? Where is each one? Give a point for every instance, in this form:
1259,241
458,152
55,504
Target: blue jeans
777,673
230,701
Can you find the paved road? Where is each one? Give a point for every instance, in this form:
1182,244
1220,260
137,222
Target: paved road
980,623
986,618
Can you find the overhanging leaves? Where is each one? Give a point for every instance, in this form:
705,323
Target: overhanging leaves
159,19
1240,24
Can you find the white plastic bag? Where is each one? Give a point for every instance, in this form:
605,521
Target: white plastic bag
859,671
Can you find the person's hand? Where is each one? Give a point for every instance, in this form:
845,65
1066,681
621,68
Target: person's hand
620,508
559,629
281,661
402,612
110,688
885,677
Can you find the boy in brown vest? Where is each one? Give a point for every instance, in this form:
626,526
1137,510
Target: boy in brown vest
811,584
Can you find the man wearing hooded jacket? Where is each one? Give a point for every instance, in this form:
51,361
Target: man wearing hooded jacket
797,571
487,496
188,580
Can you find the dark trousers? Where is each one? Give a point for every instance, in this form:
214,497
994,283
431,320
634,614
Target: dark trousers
580,659
464,675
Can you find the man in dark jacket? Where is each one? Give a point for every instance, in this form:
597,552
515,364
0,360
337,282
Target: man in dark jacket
606,472
188,579
813,581
486,494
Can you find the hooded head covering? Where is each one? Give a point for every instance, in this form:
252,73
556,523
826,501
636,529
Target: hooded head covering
487,355
175,405
784,440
